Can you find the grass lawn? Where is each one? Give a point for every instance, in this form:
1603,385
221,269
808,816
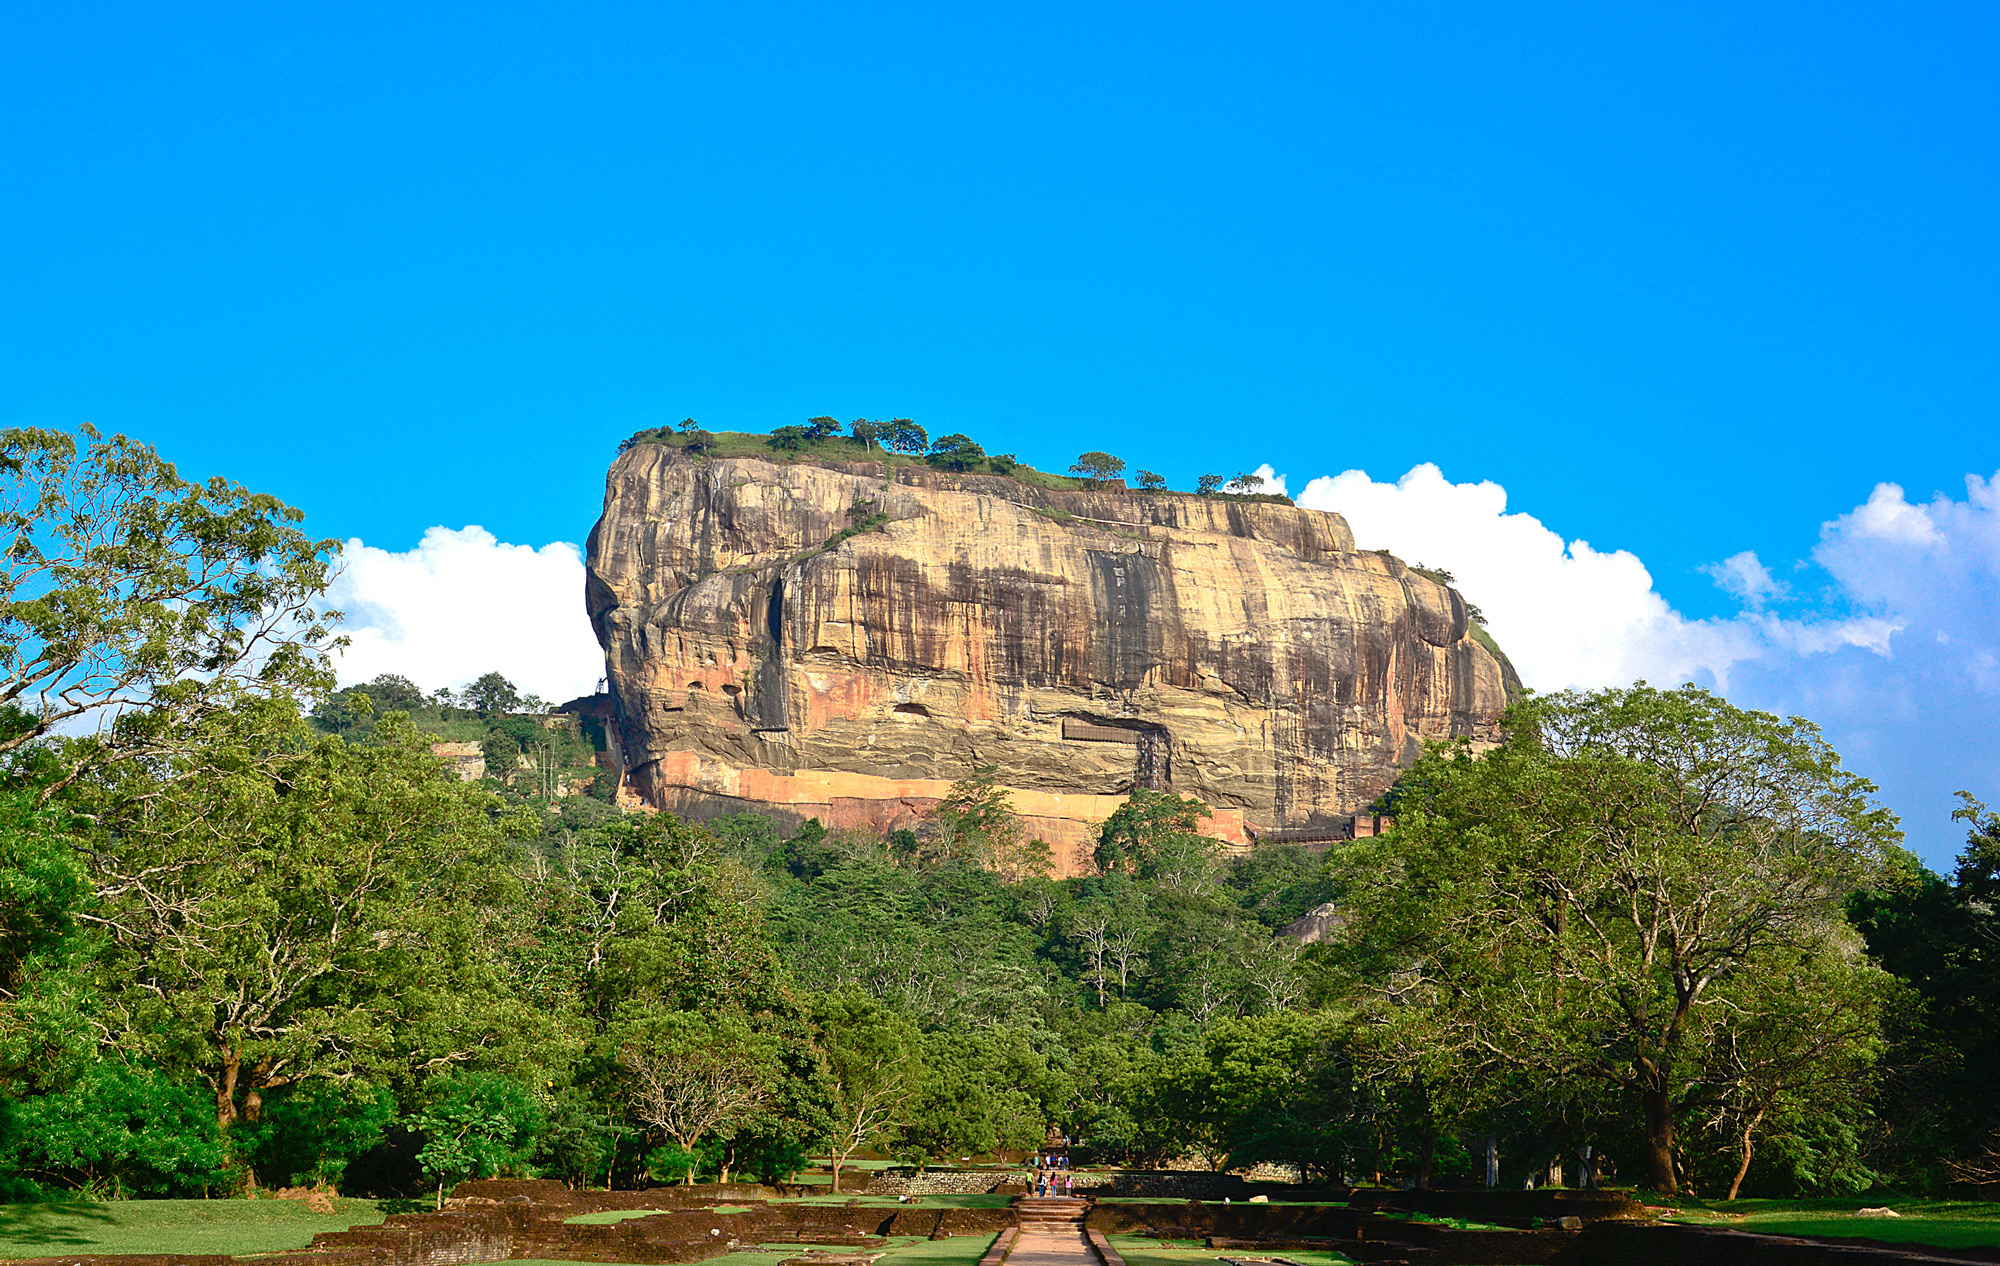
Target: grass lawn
173,1226
974,1201
1939,1223
606,1217
1145,1250
959,1250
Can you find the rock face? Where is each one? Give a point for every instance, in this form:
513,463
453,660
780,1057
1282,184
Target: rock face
845,641
1315,925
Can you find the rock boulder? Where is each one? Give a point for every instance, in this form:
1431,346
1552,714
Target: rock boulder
846,640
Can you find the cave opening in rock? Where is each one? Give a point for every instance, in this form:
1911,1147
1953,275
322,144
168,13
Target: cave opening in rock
774,613
912,710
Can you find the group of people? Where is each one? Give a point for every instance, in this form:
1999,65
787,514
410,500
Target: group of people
1047,1181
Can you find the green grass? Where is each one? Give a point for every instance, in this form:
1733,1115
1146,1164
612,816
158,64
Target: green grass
1145,1250
1938,1223
606,1217
973,1201
959,1250
173,1226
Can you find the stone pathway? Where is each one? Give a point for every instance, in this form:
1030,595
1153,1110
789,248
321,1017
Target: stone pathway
1050,1246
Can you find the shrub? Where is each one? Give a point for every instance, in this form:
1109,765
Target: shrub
478,1125
119,1131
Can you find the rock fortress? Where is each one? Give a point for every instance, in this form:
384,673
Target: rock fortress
844,640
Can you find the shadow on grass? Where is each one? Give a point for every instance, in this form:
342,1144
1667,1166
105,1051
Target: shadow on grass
407,1204
55,1221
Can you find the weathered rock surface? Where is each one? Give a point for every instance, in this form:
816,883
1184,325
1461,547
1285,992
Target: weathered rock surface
763,654
1315,925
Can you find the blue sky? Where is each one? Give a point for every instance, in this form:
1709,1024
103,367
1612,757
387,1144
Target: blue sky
1687,282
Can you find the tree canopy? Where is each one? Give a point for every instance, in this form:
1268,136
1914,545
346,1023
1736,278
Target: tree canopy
1641,887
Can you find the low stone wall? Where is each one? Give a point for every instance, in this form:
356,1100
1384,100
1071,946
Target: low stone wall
1164,1184
945,1182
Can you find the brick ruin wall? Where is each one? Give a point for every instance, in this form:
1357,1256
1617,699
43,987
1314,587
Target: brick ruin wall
498,1221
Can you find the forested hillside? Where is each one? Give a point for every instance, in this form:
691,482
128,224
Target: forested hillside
255,932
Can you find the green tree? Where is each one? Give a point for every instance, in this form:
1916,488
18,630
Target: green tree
1151,482
956,453
1096,469
1156,835
822,428
1207,485
284,906
874,1069
905,436
692,1078
982,1090
143,600
478,1125
789,439
976,822
1246,483
1621,892
46,905
1002,463
391,693
491,695
1939,1098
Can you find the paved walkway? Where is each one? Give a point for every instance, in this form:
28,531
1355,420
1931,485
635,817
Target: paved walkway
1049,1247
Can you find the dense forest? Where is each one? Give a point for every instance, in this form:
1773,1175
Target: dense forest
254,931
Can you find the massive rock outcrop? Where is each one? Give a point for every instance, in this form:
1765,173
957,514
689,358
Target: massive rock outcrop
844,641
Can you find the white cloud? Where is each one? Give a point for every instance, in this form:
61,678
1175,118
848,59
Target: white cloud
1272,481
1901,665
1567,614
463,603
1745,578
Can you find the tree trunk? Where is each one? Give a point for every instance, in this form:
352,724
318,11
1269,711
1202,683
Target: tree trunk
1660,1141
1427,1159
225,1091
836,1175
1749,1127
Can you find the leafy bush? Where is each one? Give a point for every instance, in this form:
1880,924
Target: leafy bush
478,1125
309,1135
122,1131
